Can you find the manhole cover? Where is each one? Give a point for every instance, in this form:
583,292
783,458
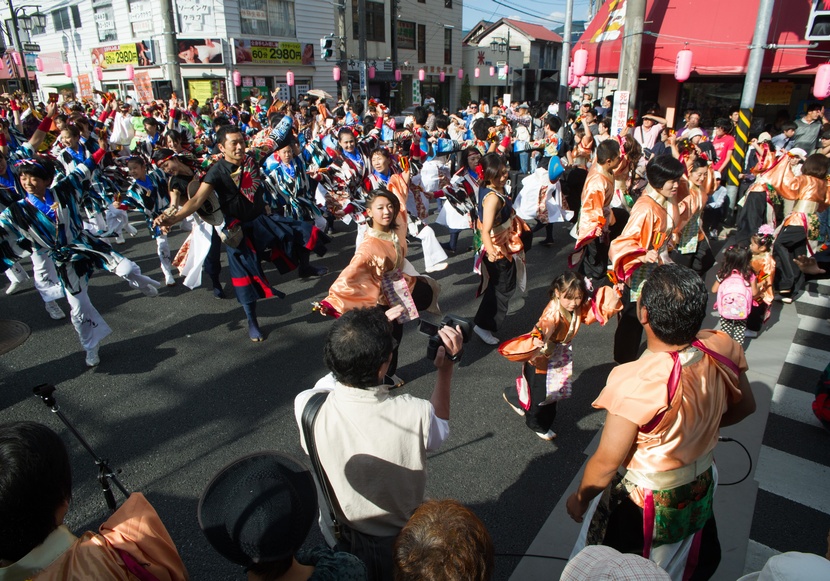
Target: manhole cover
12,334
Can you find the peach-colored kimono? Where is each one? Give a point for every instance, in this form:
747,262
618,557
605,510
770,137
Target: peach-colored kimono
691,199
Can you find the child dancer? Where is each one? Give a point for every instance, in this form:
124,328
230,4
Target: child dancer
547,353
735,286
763,265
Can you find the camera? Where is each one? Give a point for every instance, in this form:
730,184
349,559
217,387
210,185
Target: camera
431,331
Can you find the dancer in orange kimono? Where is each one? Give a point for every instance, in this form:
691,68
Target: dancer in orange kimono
664,414
547,353
763,265
809,190
643,245
595,216
692,247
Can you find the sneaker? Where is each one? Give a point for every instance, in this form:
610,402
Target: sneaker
119,239
750,334
54,310
13,287
92,358
516,409
549,435
169,280
311,271
437,267
486,335
393,381
150,291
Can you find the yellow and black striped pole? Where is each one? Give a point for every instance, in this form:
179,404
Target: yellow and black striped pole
736,163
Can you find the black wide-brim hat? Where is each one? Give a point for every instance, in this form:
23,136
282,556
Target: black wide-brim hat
259,508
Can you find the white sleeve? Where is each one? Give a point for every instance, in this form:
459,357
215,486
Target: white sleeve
325,383
439,431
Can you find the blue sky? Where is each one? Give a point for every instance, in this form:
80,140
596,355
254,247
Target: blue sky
475,10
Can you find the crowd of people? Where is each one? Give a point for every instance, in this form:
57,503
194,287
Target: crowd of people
273,181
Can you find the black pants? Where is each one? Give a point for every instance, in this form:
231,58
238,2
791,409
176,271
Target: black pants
212,264
422,296
594,264
625,533
751,216
700,261
629,333
501,285
791,242
755,320
538,418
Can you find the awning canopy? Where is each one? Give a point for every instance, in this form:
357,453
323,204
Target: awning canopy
718,34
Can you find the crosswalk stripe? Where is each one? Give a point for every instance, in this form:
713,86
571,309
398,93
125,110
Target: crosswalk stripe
794,404
757,555
814,299
793,478
814,324
808,357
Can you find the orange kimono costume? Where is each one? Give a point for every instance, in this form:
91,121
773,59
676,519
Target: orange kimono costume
595,218
132,544
691,245
649,227
547,353
758,205
763,265
664,491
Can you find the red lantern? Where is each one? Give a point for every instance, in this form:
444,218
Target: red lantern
821,86
492,71
67,70
580,62
442,76
39,64
477,72
16,58
335,73
289,79
130,72
460,73
421,74
506,70
99,73
237,79
371,72
683,65
398,75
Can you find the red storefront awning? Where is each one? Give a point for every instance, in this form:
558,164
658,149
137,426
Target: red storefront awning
718,33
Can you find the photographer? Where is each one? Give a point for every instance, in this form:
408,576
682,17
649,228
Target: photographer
371,445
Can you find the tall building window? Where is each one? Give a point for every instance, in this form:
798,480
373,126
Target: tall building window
268,17
65,18
422,43
375,21
448,46
447,3
105,23
406,34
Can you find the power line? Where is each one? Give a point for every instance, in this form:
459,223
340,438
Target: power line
528,13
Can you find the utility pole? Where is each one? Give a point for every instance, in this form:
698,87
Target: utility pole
565,61
750,92
171,67
635,14
341,43
361,33
507,67
19,48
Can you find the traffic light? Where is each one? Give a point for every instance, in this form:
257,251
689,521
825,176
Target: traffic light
327,47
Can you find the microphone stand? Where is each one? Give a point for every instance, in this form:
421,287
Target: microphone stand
46,391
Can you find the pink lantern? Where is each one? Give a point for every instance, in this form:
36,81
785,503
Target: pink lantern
571,75
506,69
335,73
289,79
821,86
99,73
16,58
371,72
477,72
421,74
39,64
237,79
130,72
492,71
67,70
583,81
683,65
460,73
580,62
442,76
398,75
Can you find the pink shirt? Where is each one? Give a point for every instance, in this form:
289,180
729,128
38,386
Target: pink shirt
648,137
723,147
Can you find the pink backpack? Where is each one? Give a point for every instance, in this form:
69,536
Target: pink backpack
734,297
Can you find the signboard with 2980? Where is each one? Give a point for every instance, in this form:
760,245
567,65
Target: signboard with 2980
121,57
265,52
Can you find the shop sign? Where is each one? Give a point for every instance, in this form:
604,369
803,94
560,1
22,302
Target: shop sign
268,52
774,93
192,16
200,51
84,86
143,86
118,56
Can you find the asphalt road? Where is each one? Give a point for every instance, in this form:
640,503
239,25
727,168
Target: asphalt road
181,391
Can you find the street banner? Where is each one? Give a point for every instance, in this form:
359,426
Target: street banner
619,113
